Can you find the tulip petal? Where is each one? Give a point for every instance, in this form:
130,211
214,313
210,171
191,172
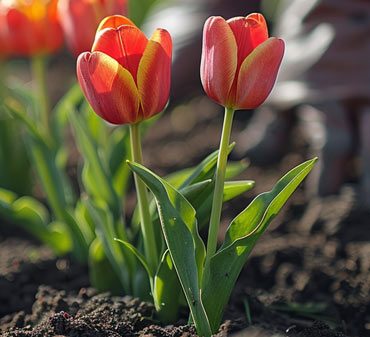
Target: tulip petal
114,21
258,28
249,32
219,59
108,87
154,74
126,44
258,73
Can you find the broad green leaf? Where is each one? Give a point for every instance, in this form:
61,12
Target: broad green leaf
102,275
189,192
183,241
241,236
167,290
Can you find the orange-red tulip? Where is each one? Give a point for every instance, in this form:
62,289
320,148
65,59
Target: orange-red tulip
81,18
4,33
239,61
31,27
126,77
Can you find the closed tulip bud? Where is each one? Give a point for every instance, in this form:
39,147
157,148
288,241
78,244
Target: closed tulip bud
81,18
30,27
126,77
239,61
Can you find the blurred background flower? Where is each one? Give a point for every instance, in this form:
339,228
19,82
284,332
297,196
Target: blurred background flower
30,27
81,18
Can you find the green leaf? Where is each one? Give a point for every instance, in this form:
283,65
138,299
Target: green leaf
59,238
167,290
105,229
183,241
60,113
203,201
30,214
80,242
232,189
43,157
205,170
96,177
241,236
23,95
16,110
235,168
138,255
101,273
15,173
119,151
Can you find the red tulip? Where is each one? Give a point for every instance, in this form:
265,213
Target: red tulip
81,18
126,77
4,33
30,27
239,62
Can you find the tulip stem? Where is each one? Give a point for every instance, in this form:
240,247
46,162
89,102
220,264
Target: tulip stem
219,185
150,246
39,74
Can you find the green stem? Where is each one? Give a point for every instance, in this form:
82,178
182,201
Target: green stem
39,73
150,246
219,185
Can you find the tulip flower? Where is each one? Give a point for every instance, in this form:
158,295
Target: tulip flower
31,27
238,70
239,62
81,18
126,77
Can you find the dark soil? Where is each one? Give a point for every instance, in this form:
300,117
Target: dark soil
308,276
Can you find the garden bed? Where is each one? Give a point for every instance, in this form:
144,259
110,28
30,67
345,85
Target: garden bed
308,276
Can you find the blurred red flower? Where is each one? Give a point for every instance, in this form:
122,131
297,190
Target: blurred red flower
29,27
81,18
